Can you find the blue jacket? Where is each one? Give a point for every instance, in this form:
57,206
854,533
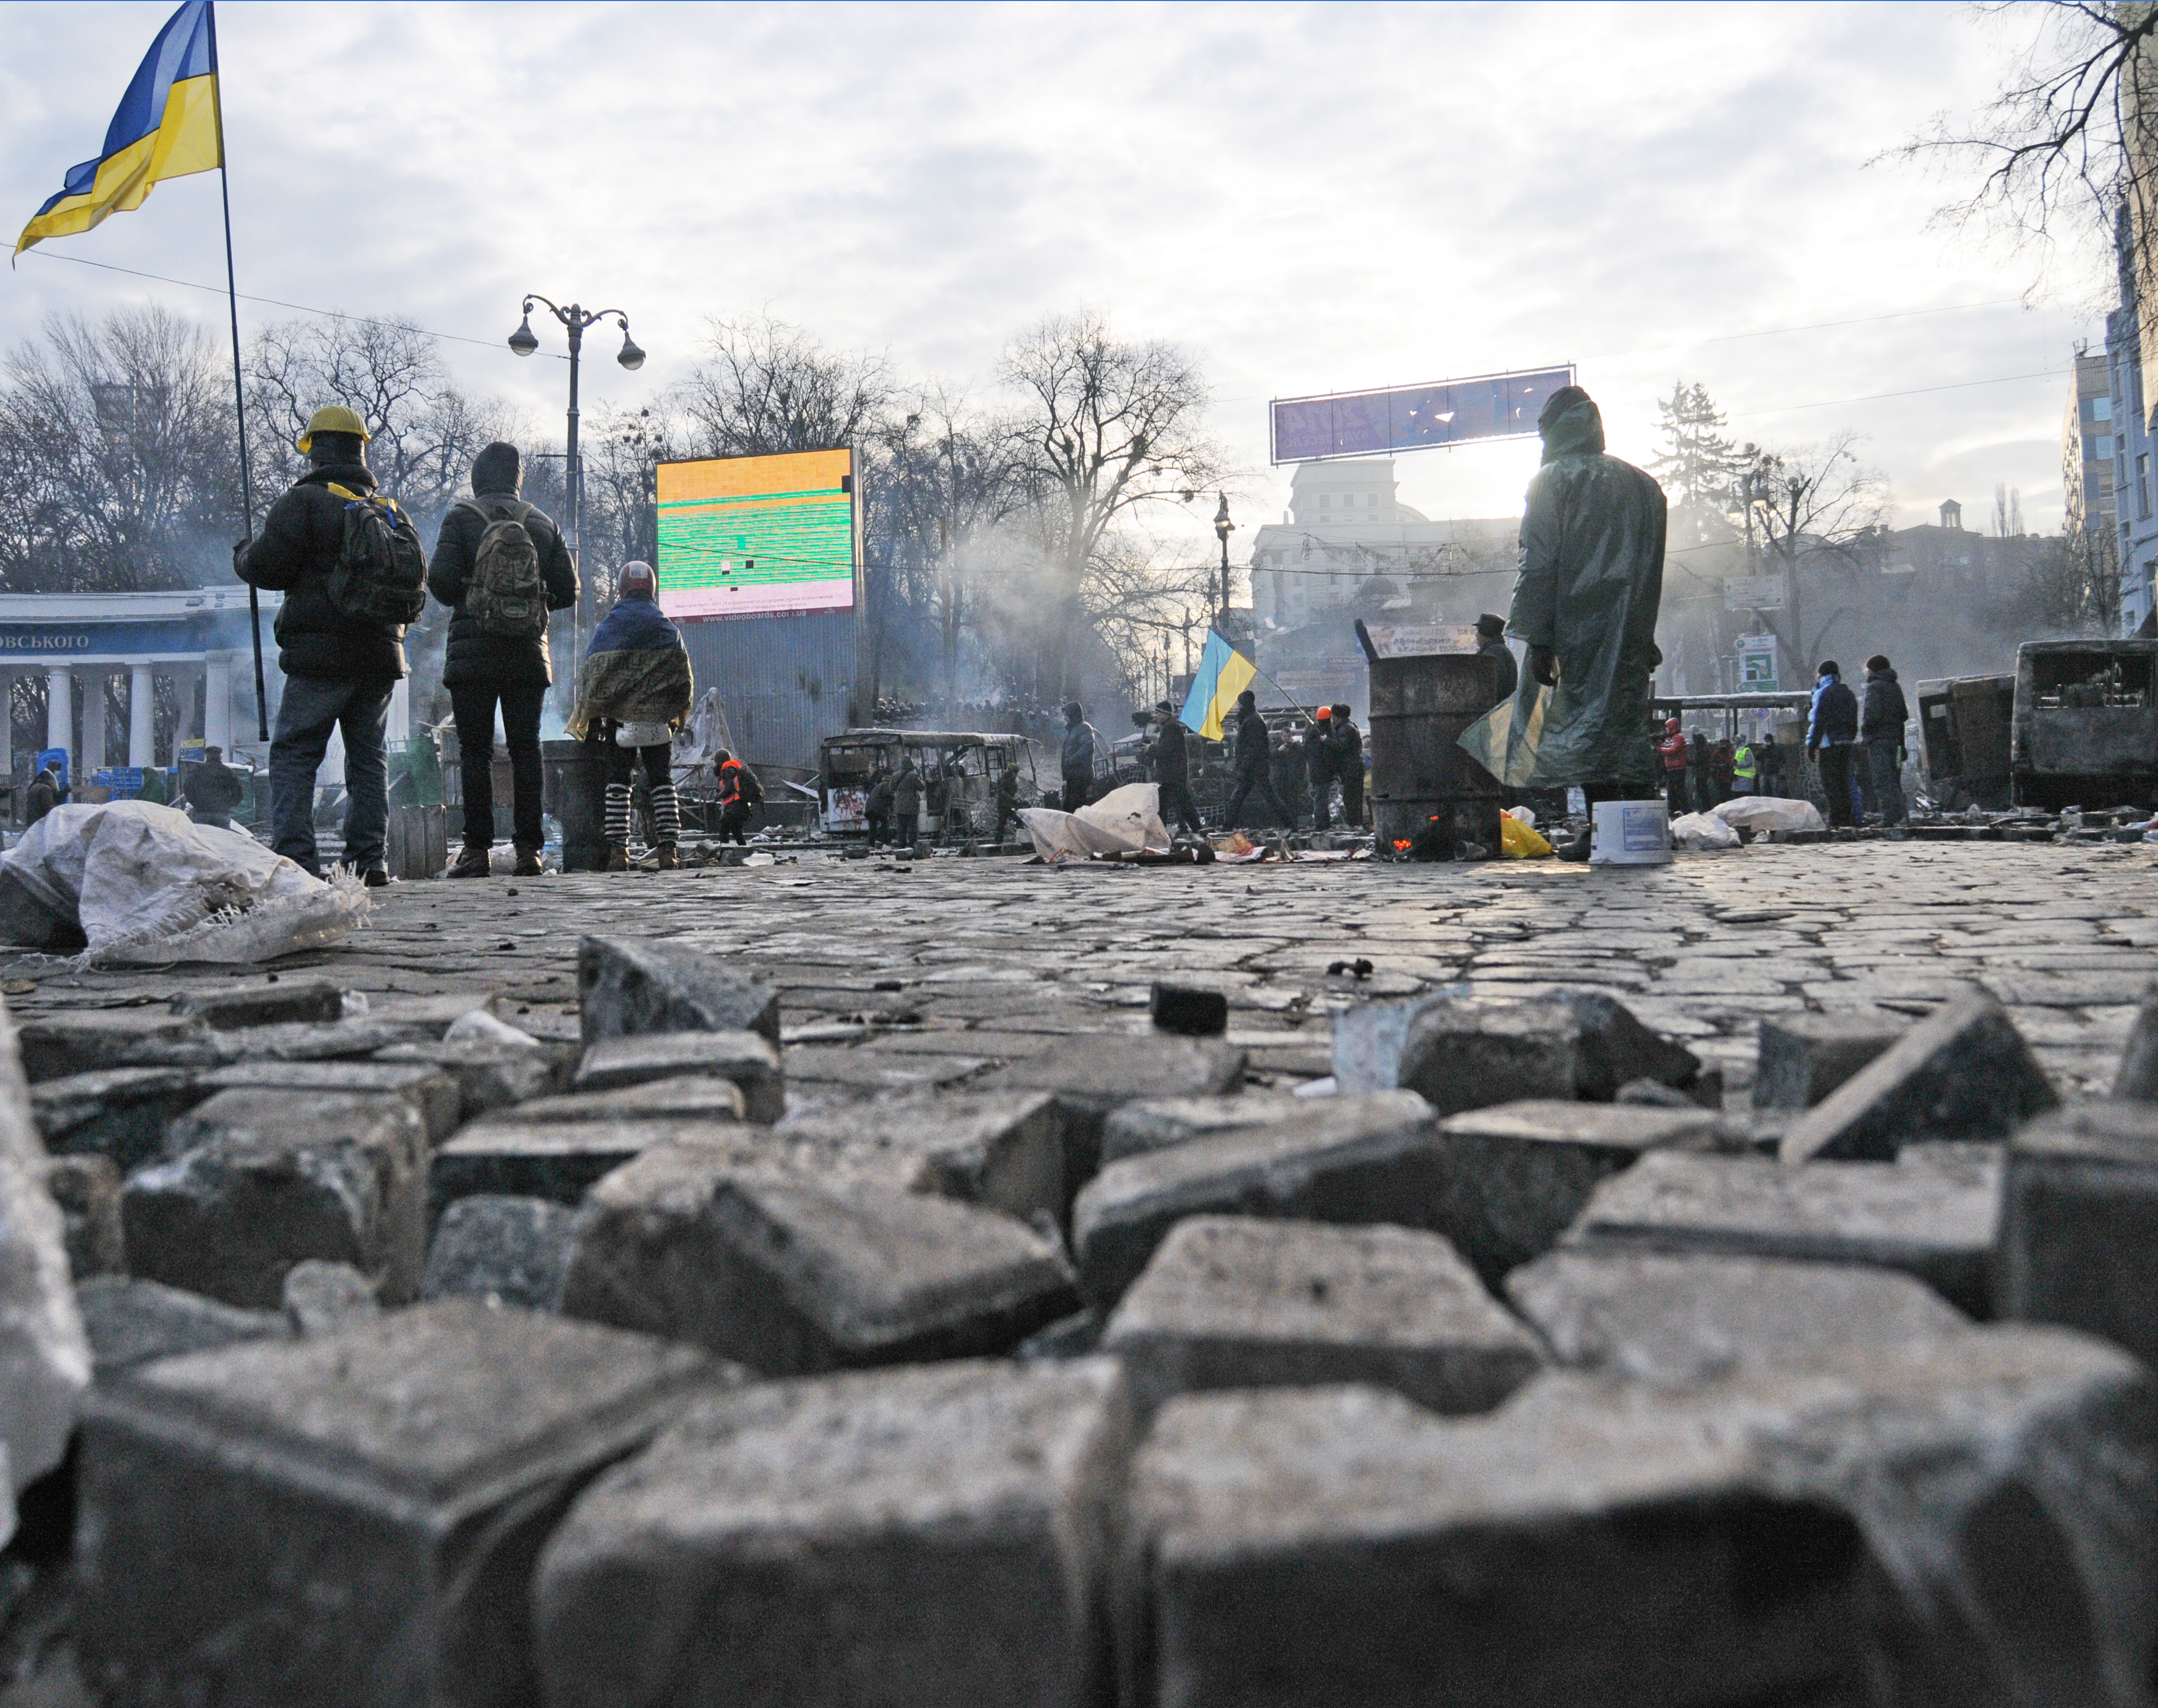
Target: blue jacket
1834,715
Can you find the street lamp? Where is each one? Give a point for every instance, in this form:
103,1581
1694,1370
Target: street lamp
575,319
1223,528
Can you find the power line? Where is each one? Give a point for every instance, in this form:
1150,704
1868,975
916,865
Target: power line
1915,391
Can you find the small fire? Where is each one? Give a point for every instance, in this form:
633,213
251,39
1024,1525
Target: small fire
1401,847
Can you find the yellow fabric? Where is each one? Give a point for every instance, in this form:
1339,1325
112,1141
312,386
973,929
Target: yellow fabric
1236,675
1743,764
185,142
1518,842
332,418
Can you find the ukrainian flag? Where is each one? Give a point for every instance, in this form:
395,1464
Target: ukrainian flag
168,127
1223,674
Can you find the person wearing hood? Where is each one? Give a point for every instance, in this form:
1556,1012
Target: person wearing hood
1585,603
1831,733
1078,760
1491,644
634,691
1881,730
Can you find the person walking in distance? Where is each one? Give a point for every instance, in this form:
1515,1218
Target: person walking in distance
352,571
1831,737
1172,769
1077,766
1880,728
1005,797
1254,762
46,791
214,789
741,794
501,566
1673,750
907,803
1344,759
877,809
633,692
1318,767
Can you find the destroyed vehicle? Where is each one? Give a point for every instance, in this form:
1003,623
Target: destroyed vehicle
2085,730
1963,724
970,764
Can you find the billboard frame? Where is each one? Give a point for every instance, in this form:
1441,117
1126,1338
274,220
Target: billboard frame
1276,459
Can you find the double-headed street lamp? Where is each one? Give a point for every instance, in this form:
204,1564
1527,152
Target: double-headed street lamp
1223,528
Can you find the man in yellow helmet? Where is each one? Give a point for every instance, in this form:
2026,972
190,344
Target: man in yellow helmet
339,644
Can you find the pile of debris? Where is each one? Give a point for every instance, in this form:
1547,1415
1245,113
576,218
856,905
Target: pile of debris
380,1358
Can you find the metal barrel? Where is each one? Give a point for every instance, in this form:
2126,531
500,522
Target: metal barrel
575,791
1428,796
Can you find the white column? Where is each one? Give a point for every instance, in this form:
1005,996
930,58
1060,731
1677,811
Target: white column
217,701
141,716
59,708
93,722
7,725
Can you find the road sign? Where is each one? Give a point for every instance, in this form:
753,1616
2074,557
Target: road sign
1752,592
1413,417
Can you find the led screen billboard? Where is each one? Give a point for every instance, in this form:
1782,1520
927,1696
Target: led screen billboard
1413,417
748,536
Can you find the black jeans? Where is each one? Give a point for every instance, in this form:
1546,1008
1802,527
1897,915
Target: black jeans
313,706
1881,756
1074,793
734,821
1177,806
1836,784
473,705
1681,802
1264,784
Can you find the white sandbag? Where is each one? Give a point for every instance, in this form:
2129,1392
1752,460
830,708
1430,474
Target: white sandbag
1762,812
1701,831
149,886
1123,821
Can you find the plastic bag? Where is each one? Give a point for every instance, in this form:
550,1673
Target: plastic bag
148,886
1121,822
1517,842
1760,812
1703,831
1526,815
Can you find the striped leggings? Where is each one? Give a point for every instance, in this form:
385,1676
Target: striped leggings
666,811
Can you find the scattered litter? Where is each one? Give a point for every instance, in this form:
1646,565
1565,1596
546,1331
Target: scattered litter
477,1026
1355,969
1518,840
1122,821
1702,832
1315,1088
1764,812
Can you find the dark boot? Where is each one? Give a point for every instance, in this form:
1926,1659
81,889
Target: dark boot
527,864
618,857
471,862
670,858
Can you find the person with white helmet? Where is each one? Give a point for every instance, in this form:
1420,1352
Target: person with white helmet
634,691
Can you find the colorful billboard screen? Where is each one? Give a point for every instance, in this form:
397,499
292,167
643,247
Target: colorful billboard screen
748,536
1412,417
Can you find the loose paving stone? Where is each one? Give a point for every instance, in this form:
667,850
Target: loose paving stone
1940,1224
560,1160
1464,1053
488,1076
1286,1547
2079,1223
1615,1047
1515,1176
266,1005
2138,1078
1804,1057
336,1040
626,988
121,1113
56,1045
264,1179
930,1535
1369,1037
746,1058
687,1097
435,1093
1963,1072
321,1298
793,1276
352,1519
132,1322
1090,1077
1188,1010
1345,1159
1233,1302
1154,1123
1674,1319
87,1190
1004,1150
513,1251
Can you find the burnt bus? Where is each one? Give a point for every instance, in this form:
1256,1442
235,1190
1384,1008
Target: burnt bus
971,764
2086,724
1963,724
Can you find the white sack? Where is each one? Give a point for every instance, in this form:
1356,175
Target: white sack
1699,831
1121,822
1762,813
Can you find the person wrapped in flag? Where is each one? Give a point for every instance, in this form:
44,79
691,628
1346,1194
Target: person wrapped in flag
634,691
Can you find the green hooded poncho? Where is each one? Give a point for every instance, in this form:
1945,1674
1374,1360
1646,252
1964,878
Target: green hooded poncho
1591,576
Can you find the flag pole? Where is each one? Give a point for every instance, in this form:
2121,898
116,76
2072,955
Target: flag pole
239,383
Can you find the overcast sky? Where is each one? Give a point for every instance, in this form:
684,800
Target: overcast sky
1305,197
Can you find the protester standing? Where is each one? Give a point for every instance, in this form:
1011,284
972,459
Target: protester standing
1172,769
1491,644
501,566
1005,794
1078,757
1254,755
1319,766
1832,735
1290,779
212,789
877,809
1673,750
1745,767
1722,769
1880,728
634,689
1344,760
46,792
740,796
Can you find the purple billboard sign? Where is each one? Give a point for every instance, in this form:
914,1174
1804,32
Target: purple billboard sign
1413,417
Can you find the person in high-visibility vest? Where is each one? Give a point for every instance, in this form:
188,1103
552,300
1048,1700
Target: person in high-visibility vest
1745,768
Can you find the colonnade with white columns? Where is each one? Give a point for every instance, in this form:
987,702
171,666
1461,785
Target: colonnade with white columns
74,685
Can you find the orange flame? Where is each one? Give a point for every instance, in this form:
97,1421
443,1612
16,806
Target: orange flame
1401,847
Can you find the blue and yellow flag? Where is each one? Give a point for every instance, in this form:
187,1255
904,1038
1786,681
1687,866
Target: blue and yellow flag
168,127
1223,674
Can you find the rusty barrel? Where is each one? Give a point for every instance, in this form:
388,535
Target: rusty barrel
1428,796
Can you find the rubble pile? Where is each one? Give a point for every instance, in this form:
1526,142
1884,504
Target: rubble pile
416,1357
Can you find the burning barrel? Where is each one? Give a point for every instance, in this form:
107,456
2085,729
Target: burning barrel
1428,796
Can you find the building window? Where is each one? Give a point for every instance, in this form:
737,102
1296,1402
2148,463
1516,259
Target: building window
2101,409
2101,448
2142,486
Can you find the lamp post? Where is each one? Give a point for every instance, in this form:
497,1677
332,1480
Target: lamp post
575,319
1223,528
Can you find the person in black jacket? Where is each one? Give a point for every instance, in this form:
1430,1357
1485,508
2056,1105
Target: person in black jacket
1077,759
1345,762
1830,737
1172,769
1254,762
1491,642
339,669
484,668
213,789
46,792
1880,728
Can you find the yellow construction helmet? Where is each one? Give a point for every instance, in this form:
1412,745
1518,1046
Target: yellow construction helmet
335,419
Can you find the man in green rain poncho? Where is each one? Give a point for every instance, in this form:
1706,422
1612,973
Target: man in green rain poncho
1592,575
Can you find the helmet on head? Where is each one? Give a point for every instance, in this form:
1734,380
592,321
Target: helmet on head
636,579
335,418
1672,724
1323,712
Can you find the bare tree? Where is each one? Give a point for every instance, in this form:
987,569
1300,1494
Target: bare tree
1814,508
771,387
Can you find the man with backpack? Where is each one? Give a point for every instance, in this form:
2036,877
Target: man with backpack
351,567
741,794
500,566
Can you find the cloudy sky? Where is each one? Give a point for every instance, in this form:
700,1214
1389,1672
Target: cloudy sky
1306,197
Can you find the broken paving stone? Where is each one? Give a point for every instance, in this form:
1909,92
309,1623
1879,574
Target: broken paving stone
2137,1076
264,1179
560,1160
1188,1010
1615,1047
1964,1072
1464,1053
1368,1039
121,1113
1229,1301
87,1190
1515,1175
1004,1150
312,1002
1078,1335
335,1040
626,988
928,1536
792,1276
132,1322
404,1473
432,1090
89,1040
514,1250
1674,1319
687,1097
488,1076
1285,1546
1802,1057
1347,1160
321,1298
1154,1123
746,1058
2079,1223
1091,1074
1940,1224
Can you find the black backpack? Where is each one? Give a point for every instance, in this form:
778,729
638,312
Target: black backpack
506,594
380,574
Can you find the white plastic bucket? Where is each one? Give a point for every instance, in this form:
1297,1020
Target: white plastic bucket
1631,834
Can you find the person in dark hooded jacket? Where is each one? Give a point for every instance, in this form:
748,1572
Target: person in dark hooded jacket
484,668
1254,764
1881,730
